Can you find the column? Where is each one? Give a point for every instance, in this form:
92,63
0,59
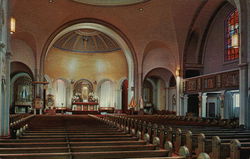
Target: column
118,101
178,97
204,105
185,104
222,108
68,96
167,98
244,111
7,97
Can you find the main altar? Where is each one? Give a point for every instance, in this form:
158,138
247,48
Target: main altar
85,106
84,99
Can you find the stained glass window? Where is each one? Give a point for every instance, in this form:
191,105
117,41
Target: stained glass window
232,36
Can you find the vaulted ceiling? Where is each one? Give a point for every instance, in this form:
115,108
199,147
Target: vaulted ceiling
166,21
86,41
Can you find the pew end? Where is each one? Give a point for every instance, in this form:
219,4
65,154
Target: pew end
184,152
203,156
169,147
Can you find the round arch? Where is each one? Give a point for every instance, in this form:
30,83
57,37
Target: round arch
108,30
107,98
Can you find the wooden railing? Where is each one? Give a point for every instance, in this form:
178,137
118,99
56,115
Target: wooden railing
228,80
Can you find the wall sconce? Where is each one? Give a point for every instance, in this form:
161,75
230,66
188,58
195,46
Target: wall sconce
177,72
12,25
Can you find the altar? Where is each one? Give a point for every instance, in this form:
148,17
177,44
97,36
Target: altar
85,106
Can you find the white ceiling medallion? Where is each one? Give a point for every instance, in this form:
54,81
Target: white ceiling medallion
110,2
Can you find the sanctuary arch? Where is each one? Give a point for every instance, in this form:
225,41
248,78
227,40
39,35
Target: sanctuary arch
96,75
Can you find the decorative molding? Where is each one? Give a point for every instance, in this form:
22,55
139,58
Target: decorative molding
110,2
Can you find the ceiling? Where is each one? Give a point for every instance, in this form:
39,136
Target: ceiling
86,41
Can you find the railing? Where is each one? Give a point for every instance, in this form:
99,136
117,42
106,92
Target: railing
213,82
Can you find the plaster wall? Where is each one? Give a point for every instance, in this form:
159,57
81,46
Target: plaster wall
159,58
23,53
214,48
90,66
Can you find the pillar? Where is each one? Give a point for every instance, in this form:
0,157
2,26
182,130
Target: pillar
178,95
222,105
244,110
204,105
167,98
185,104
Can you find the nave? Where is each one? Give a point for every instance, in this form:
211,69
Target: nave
124,136
160,78
74,137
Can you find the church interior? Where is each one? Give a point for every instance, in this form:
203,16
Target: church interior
108,79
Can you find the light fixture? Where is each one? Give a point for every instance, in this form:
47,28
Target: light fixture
12,25
235,40
177,72
141,9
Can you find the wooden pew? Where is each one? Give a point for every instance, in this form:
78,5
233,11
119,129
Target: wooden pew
62,139
239,149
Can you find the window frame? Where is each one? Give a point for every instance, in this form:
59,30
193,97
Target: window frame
227,38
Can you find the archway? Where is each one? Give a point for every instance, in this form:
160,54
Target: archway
159,90
21,93
106,93
60,93
123,44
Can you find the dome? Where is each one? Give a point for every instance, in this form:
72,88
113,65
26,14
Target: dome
86,41
110,2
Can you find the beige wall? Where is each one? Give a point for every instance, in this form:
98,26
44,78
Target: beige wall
214,48
91,66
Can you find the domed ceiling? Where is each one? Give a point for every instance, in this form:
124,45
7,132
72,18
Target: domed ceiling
86,41
110,2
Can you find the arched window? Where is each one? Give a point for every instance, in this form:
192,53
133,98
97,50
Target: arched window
60,93
232,36
106,93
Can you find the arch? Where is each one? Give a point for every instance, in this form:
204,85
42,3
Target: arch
106,93
12,81
26,86
60,90
101,26
29,39
119,92
101,82
160,72
19,67
23,51
162,90
83,80
160,52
